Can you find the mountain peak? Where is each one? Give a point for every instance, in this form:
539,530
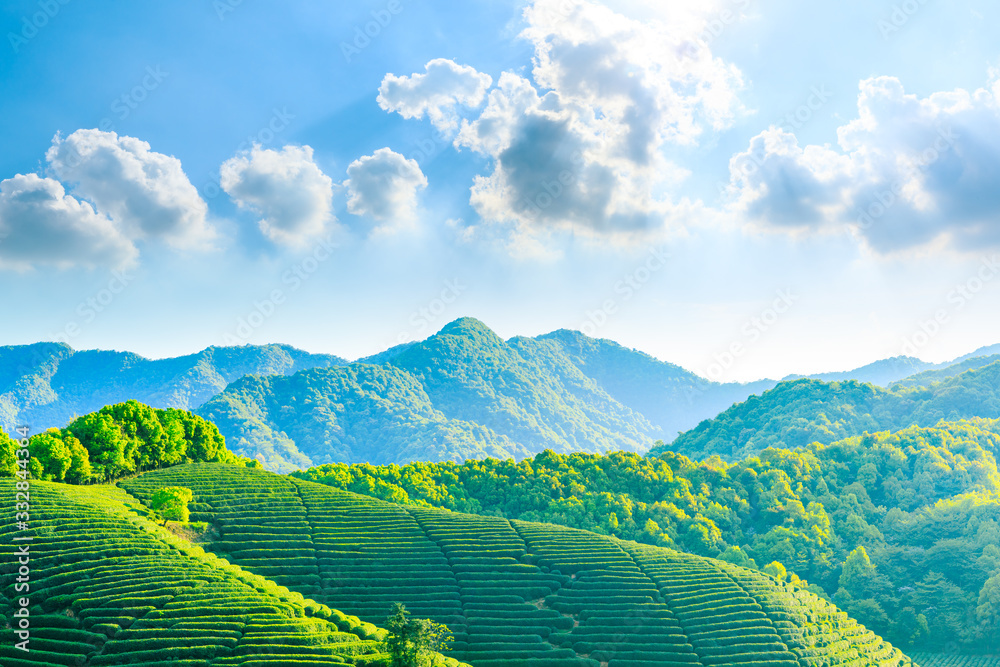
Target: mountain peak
466,326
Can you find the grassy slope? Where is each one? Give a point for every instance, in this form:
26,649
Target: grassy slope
515,593
108,587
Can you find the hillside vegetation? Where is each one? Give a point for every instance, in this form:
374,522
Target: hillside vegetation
514,592
901,529
47,385
108,587
797,413
466,393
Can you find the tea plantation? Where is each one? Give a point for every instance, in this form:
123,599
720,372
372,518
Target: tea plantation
950,660
109,587
513,593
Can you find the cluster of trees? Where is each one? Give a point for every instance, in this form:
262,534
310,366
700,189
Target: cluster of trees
901,530
797,413
118,440
414,642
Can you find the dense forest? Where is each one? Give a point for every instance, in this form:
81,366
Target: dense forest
797,413
118,440
900,529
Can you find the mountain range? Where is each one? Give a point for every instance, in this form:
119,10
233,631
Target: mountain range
462,393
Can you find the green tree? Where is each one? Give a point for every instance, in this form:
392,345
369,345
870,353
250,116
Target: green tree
737,556
988,611
50,459
79,470
170,502
103,438
8,456
861,578
413,642
776,570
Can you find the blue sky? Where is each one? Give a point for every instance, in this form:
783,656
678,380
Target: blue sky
747,188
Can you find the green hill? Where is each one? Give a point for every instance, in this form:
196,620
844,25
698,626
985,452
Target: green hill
514,593
797,413
48,384
466,393
901,529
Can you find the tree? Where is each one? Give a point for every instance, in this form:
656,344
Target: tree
988,609
8,456
861,578
102,437
79,470
413,642
170,502
50,457
776,570
737,556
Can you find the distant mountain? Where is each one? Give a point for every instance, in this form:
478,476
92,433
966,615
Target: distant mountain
928,378
898,369
800,412
881,373
466,393
48,384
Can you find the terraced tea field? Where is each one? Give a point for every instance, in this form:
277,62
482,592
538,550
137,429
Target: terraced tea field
950,660
515,593
107,587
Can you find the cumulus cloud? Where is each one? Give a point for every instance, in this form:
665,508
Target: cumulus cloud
579,145
41,225
907,171
786,185
384,186
444,85
145,193
286,188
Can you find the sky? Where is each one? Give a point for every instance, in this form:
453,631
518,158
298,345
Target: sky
746,188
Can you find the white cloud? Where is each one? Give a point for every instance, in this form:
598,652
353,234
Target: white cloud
437,92
384,186
147,194
286,188
909,171
41,225
579,146
786,185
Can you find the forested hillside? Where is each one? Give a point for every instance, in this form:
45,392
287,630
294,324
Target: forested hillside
901,529
797,413
48,384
